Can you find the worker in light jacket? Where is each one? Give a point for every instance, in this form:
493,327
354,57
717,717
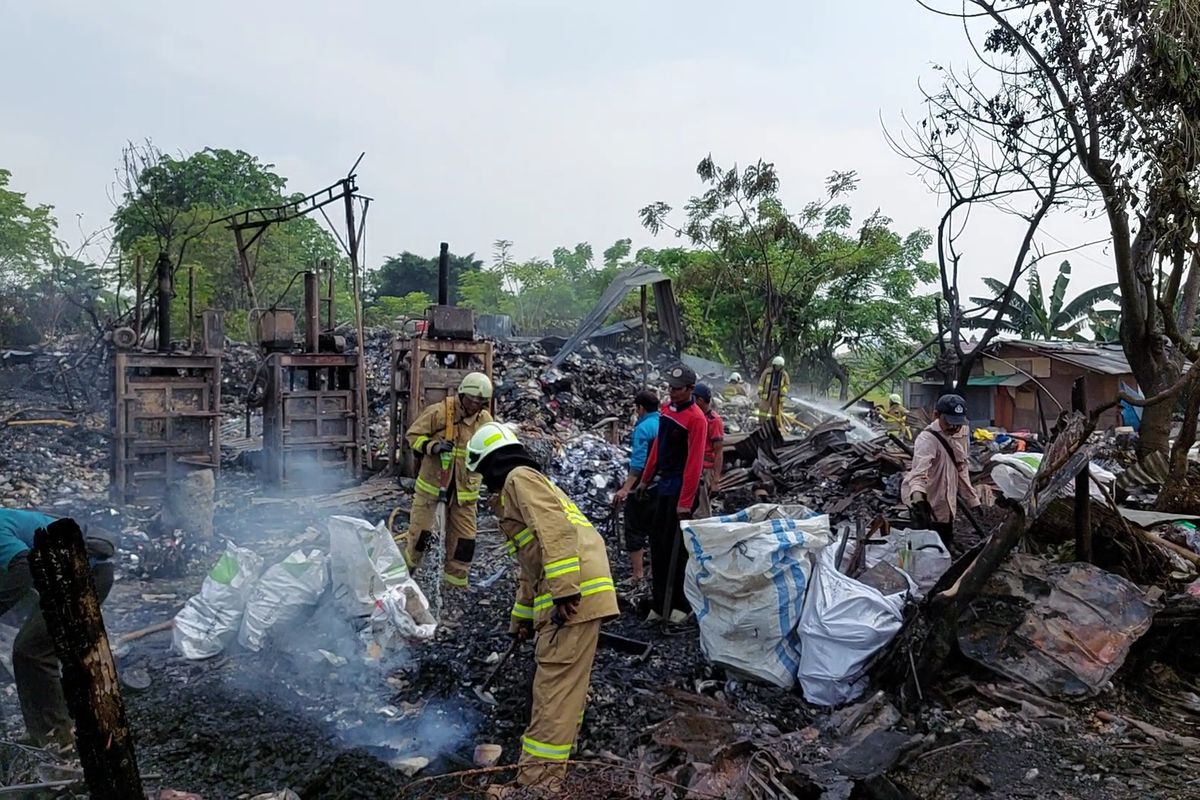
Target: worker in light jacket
35,664
939,474
564,592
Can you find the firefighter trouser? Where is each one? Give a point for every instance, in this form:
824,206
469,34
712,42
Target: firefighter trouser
564,668
460,537
35,663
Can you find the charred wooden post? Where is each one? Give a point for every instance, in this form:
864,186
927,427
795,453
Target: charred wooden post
1083,499
444,275
330,316
163,269
59,563
137,301
645,344
312,312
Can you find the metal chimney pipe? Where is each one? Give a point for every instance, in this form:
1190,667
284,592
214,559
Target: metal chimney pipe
312,312
444,275
163,267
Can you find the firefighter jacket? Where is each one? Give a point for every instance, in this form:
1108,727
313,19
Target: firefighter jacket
559,552
768,378
430,428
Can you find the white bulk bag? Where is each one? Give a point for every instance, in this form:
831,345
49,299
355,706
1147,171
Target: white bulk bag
746,578
364,561
209,620
284,594
919,554
844,623
370,579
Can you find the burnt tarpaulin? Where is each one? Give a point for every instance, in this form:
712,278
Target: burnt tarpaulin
631,278
1064,629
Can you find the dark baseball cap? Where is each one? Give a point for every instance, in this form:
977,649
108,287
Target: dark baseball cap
953,408
680,376
703,391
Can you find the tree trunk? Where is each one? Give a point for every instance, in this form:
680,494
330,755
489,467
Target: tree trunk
59,563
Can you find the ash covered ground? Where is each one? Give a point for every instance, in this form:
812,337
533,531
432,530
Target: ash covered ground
307,715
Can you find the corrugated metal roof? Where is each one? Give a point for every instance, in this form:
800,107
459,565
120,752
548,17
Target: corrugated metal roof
631,277
1108,359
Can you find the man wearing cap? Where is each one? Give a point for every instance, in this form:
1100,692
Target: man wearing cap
674,469
439,436
639,509
714,450
939,474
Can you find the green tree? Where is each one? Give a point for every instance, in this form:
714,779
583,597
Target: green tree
483,291
387,310
1032,317
27,235
764,282
172,204
408,272
28,252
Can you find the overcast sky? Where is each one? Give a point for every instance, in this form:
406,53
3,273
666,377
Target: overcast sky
544,122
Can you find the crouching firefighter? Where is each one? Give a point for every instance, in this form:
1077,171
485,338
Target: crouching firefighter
34,659
565,590
439,437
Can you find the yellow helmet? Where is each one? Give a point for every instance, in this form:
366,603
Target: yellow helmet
477,384
777,362
490,437
895,398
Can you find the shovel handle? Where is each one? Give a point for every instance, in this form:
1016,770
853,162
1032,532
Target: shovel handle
491,676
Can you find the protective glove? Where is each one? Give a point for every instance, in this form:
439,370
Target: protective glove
564,609
437,448
920,512
523,632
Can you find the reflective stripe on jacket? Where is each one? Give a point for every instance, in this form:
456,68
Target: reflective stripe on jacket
559,552
429,429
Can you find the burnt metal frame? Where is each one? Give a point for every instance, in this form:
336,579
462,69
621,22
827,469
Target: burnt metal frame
259,219
131,448
415,386
330,377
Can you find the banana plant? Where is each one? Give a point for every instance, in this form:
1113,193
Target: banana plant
1032,317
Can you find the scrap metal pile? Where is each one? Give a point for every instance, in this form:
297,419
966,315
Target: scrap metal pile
832,467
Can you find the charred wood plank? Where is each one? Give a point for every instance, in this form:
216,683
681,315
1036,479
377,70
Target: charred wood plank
71,606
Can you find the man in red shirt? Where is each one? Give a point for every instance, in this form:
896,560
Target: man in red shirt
673,471
714,451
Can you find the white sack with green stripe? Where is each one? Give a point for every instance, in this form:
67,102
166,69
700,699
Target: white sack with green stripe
746,578
286,594
209,620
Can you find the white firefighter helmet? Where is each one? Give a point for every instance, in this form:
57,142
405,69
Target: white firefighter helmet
895,398
476,384
490,437
735,377
777,362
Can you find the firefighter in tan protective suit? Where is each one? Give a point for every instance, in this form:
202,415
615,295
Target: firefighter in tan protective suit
773,386
440,436
564,592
